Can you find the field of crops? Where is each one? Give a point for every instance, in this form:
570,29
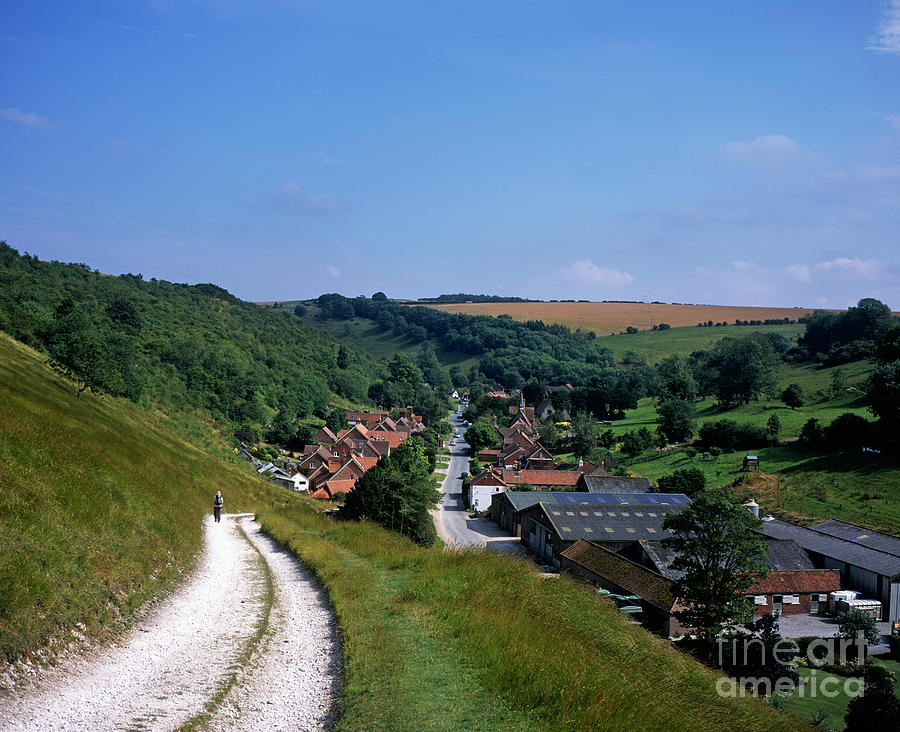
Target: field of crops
612,317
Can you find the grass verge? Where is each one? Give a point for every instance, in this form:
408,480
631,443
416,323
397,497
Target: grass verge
476,640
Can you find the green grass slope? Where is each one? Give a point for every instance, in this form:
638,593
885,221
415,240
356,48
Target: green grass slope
655,345
476,640
378,343
100,505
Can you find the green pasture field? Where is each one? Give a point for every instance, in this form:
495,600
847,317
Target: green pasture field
819,403
655,345
801,484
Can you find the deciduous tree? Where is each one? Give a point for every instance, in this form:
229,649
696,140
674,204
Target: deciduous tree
720,556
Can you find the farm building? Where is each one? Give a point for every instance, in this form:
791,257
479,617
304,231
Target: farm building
507,508
781,555
600,483
550,528
539,480
875,572
794,592
592,563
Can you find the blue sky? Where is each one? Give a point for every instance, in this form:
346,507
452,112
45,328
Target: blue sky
729,153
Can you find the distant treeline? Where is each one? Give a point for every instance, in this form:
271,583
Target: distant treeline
461,297
767,321
510,351
178,346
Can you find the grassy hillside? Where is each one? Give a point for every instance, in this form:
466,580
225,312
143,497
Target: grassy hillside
475,640
655,345
178,346
100,506
381,344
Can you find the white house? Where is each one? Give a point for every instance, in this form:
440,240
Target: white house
298,482
482,488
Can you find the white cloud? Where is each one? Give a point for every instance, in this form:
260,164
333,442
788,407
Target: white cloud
294,199
855,267
799,272
742,266
887,37
590,273
766,150
332,270
26,119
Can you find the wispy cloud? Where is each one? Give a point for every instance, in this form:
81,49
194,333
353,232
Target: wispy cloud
26,119
852,267
324,157
766,150
332,270
887,36
291,198
800,272
589,273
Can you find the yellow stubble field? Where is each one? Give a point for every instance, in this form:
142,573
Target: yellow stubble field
612,317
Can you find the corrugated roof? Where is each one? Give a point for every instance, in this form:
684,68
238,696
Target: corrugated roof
521,500
616,484
830,546
786,554
608,522
650,586
860,535
781,555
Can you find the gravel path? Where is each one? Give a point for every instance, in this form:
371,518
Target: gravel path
293,681
176,659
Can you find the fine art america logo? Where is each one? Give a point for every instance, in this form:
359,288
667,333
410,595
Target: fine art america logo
773,667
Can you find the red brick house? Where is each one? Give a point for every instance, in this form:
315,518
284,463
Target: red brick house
794,592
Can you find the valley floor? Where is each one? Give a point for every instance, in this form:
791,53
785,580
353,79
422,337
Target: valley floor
215,652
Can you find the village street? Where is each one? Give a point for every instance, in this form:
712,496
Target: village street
451,519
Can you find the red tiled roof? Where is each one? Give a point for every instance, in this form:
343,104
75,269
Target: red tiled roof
391,438
488,477
320,493
795,581
342,486
539,477
367,463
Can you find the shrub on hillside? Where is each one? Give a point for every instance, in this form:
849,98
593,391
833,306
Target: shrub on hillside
848,430
688,481
731,435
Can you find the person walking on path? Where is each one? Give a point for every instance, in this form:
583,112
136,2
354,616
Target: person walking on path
217,506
